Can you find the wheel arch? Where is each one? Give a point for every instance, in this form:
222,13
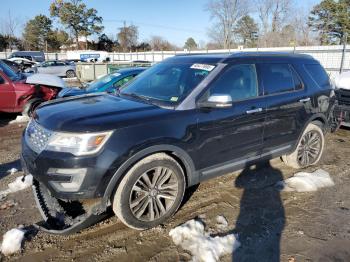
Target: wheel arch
316,117
180,155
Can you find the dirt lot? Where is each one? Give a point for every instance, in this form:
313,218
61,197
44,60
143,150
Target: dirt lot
312,226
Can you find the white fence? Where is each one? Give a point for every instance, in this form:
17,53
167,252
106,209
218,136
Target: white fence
329,56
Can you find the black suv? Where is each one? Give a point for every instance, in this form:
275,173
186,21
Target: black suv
184,120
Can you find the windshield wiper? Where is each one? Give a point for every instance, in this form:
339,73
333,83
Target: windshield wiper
148,99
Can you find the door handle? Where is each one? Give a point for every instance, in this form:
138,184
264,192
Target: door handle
304,100
252,111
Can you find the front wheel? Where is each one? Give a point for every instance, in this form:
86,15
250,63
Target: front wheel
309,150
150,192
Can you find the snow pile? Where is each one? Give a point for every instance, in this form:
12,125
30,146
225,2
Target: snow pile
12,171
12,241
221,222
192,237
20,183
20,119
305,182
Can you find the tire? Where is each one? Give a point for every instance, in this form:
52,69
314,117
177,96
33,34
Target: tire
30,106
70,74
136,199
305,154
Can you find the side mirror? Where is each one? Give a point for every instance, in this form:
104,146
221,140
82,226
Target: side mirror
216,101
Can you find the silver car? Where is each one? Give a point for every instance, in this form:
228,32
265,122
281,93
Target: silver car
58,68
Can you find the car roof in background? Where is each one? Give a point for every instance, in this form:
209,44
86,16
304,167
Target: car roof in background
130,69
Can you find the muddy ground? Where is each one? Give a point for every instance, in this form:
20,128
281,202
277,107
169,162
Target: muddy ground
312,226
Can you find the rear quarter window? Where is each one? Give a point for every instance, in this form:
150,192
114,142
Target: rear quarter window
318,74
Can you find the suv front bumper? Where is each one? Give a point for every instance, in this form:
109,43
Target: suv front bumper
67,176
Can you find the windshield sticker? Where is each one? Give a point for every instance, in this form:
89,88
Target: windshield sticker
174,99
203,67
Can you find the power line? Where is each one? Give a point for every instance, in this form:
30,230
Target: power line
155,25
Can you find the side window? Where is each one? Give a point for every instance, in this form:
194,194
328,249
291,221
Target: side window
123,81
318,74
239,81
276,78
298,84
59,64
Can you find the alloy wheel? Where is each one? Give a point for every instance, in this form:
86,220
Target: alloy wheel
154,193
310,148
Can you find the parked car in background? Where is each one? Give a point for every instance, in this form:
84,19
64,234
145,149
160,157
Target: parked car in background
37,56
342,85
57,68
108,83
23,62
182,121
19,93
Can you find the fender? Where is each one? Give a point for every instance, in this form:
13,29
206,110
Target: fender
192,176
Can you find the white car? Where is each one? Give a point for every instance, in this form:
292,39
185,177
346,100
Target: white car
342,85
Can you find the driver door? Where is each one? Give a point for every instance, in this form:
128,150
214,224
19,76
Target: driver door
230,137
7,95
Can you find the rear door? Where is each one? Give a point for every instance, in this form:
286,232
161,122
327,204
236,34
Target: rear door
229,137
288,106
7,94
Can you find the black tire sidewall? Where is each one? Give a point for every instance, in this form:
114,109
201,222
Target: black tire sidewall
125,196
70,74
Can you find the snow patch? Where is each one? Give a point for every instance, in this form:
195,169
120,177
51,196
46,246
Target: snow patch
20,183
12,241
221,222
306,182
12,171
20,119
191,236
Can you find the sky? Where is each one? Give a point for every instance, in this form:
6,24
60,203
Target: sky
175,20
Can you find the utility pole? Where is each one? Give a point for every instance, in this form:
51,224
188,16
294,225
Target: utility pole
345,40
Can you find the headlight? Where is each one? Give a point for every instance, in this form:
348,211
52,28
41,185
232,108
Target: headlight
78,144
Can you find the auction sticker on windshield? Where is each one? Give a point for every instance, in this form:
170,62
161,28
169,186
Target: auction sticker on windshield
203,67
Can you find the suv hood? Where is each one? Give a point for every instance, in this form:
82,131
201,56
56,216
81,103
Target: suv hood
93,113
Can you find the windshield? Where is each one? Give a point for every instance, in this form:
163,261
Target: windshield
168,83
101,82
8,71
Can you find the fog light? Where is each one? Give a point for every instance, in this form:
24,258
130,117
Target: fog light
76,176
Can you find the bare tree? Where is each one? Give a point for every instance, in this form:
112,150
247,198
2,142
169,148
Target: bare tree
225,13
158,43
9,26
274,16
127,37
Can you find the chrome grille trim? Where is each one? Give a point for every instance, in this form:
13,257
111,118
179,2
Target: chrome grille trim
37,137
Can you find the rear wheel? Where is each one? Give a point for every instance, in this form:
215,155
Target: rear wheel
70,74
310,148
150,192
30,106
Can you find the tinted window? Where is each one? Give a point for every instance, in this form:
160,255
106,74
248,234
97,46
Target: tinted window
318,74
298,84
239,81
277,78
123,81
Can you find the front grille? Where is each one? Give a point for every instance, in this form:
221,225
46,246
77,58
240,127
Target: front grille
37,137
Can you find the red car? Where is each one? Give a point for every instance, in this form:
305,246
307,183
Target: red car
18,94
